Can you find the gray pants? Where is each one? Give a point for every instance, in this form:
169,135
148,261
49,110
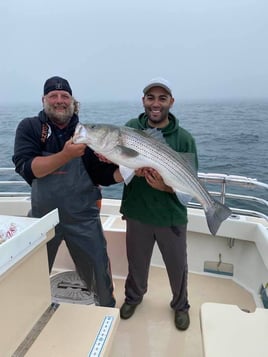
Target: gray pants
140,240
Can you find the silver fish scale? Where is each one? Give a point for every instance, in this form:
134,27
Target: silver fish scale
136,149
176,167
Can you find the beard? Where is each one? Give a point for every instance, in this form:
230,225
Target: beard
59,117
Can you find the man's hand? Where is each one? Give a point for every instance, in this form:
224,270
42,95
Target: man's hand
44,165
103,158
142,171
72,150
154,179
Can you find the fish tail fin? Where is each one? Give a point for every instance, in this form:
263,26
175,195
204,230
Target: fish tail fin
215,215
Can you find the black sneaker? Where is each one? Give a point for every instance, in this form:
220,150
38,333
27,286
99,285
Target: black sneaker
182,320
127,310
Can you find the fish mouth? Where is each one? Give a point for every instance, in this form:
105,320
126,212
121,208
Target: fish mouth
78,134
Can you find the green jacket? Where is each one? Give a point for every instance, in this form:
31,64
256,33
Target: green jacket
142,202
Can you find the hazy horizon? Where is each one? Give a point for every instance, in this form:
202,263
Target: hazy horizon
207,49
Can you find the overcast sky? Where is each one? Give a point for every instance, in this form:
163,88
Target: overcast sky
108,49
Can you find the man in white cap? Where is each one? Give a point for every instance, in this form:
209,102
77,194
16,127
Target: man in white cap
153,212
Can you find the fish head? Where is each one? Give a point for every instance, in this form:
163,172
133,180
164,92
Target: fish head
101,138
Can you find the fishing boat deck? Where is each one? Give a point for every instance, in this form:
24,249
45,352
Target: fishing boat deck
242,242
151,330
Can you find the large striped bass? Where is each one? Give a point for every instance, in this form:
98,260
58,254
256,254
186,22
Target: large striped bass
135,149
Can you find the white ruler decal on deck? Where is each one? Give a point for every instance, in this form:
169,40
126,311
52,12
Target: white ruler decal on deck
101,337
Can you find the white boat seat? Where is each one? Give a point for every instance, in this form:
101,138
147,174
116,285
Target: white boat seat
228,331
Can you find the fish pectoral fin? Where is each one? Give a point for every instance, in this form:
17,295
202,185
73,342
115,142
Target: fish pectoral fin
127,151
126,173
183,197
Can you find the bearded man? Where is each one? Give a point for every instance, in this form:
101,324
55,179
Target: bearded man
67,176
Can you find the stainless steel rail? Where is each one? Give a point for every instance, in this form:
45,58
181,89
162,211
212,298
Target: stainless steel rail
223,185
225,182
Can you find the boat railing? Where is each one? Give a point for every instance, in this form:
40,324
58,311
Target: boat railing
219,186
225,182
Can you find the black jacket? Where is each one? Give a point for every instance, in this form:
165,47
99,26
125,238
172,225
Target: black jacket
37,135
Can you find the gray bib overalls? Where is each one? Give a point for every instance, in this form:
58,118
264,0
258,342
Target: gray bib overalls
71,190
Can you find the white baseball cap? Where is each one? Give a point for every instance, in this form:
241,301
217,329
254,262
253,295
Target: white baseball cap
158,82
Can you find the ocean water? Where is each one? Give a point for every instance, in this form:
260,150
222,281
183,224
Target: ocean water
231,136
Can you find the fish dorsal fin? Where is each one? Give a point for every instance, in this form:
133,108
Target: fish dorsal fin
156,134
190,160
188,157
